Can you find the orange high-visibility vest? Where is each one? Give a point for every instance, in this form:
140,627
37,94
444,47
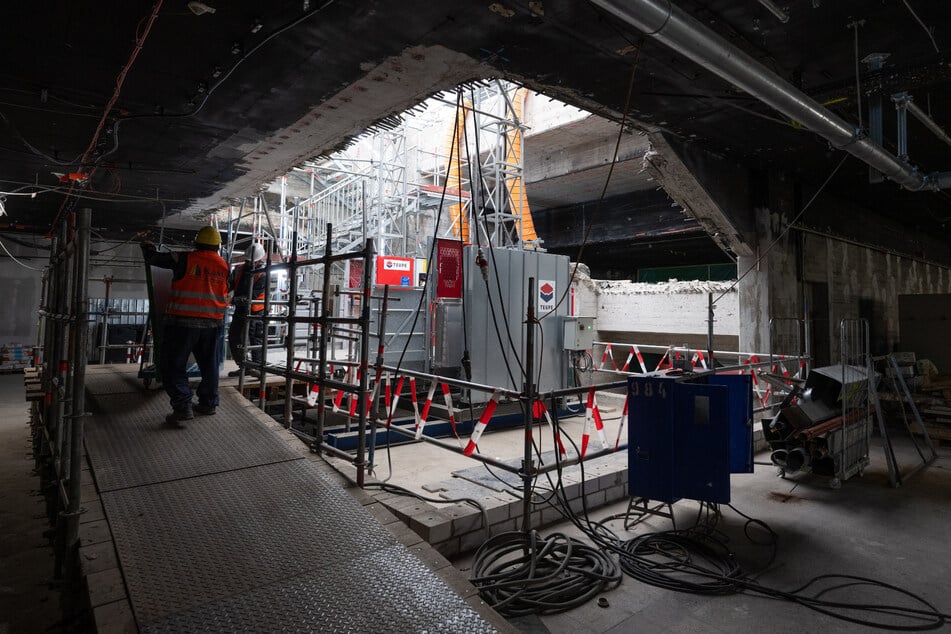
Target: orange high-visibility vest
257,303
203,292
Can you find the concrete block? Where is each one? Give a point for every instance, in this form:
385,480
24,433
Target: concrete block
404,534
92,512
615,493
498,513
429,556
105,587
472,541
448,548
464,518
433,527
94,532
381,514
115,618
595,500
550,516
504,527
97,557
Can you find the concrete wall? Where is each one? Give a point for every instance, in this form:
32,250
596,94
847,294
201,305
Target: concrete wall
674,307
865,283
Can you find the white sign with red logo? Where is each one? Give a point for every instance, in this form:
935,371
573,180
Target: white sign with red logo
546,296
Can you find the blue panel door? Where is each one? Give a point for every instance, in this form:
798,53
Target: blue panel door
651,463
741,419
702,442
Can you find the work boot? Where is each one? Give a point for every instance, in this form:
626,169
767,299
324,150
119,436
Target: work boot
178,416
204,410
235,372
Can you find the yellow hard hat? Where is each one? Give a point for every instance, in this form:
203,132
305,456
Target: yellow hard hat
208,236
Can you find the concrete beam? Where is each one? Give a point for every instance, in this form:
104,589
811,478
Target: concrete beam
713,190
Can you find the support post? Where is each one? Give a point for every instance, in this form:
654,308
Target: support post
79,341
529,405
290,341
324,321
359,462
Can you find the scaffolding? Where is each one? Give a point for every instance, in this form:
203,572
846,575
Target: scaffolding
57,419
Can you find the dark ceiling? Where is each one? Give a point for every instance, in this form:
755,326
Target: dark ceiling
210,99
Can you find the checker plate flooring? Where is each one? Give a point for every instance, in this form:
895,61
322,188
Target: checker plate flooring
223,526
130,444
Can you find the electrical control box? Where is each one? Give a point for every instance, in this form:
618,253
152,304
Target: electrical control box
579,333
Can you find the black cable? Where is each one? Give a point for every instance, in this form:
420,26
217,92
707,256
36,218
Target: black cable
521,573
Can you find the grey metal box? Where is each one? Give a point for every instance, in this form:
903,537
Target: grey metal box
578,333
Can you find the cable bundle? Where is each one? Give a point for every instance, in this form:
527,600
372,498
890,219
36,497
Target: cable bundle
521,573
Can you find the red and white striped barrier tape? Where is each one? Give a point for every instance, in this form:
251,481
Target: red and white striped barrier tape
620,429
607,354
338,397
425,413
483,422
635,352
447,397
412,395
698,357
396,400
592,413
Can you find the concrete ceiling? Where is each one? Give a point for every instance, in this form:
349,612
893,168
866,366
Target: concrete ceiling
215,105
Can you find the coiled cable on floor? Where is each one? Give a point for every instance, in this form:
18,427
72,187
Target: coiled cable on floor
520,573
684,561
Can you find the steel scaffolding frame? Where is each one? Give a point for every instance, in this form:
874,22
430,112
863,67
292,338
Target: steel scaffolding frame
57,420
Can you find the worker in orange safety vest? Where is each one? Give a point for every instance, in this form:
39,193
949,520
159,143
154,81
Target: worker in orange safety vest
193,320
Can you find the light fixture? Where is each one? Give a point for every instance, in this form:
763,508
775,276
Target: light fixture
257,25
199,8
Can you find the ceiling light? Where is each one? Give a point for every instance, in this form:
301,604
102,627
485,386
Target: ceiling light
199,8
257,25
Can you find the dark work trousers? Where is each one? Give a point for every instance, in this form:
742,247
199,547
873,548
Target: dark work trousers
236,337
177,343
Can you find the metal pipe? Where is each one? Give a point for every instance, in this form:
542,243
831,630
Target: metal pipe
906,100
325,314
262,377
359,461
380,334
79,341
774,8
672,26
529,405
290,341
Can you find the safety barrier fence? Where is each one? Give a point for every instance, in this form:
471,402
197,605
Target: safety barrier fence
57,420
764,368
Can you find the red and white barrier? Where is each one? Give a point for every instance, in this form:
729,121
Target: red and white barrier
425,413
452,416
698,358
592,413
396,400
620,429
608,354
338,397
635,352
483,421
412,394
540,411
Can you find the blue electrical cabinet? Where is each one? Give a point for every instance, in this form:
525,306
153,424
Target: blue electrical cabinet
686,438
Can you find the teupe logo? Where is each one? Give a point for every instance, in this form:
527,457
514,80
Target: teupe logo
546,292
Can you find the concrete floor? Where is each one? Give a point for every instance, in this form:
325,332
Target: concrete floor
866,528
29,601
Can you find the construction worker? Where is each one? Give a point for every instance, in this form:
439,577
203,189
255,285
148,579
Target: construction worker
249,286
193,320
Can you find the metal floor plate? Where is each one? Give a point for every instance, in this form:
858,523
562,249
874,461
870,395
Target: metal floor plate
270,547
130,445
384,591
115,382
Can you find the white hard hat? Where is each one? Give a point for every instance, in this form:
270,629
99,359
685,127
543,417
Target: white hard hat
255,253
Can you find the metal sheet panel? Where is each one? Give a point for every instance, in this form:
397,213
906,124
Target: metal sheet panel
497,353
702,442
741,419
651,456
